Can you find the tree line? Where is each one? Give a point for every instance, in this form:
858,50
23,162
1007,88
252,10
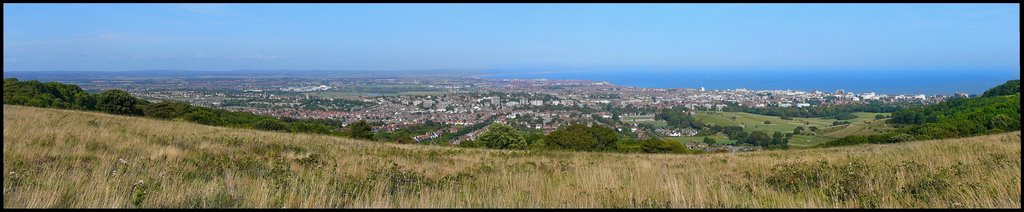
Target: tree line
573,137
677,117
756,138
67,96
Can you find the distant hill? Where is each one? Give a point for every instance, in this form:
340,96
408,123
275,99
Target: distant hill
1009,88
66,158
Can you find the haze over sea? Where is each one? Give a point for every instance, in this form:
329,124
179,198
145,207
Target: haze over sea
881,82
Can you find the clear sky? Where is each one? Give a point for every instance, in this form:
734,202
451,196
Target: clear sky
115,37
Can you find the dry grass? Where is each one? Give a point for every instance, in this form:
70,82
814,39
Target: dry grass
58,158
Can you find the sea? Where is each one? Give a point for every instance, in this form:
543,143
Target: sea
880,82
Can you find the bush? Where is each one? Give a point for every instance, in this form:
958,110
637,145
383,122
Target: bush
709,140
118,102
581,137
272,125
361,130
167,109
203,117
500,136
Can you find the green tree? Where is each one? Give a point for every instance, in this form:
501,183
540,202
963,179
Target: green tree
655,145
759,138
361,130
677,117
118,102
305,127
271,124
581,137
500,136
709,140
798,130
778,138
203,117
167,109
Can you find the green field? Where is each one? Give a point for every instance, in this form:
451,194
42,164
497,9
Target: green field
754,122
719,139
864,124
807,140
644,119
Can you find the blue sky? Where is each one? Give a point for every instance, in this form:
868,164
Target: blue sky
116,37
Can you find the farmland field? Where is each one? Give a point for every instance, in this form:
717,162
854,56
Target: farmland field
864,124
644,119
719,139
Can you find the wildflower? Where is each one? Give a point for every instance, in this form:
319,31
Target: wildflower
122,161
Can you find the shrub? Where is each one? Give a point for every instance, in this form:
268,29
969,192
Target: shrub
361,130
272,125
118,102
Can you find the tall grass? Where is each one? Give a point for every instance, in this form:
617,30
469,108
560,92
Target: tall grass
59,158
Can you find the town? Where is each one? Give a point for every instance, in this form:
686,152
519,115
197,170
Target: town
461,107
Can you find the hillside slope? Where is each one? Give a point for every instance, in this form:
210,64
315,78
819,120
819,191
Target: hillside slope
62,158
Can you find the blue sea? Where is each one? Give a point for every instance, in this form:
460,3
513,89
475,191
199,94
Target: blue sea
882,82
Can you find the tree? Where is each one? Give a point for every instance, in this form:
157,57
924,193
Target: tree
118,102
167,109
777,138
709,140
813,128
500,136
677,117
361,130
581,137
203,117
879,116
270,124
758,138
304,127
799,130
654,145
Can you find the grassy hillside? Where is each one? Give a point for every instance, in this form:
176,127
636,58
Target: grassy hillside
864,124
61,158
